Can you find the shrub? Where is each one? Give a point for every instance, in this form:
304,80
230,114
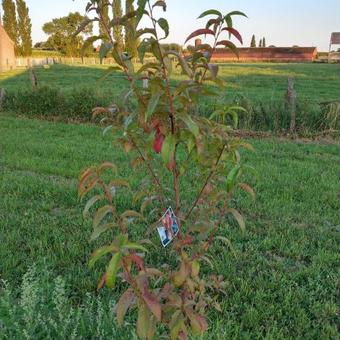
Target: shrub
163,134
48,102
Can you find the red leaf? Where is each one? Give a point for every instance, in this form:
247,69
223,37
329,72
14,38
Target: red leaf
234,32
158,142
101,282
153,304
137,260
199,32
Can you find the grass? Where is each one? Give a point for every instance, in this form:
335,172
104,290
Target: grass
264,82
282,280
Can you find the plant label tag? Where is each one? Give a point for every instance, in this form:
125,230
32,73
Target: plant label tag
168,227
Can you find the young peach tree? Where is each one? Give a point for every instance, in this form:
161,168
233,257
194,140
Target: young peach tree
158,126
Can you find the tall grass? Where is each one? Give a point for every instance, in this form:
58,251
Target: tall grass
43,309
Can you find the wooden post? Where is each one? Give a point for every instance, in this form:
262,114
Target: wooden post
2,97
291,104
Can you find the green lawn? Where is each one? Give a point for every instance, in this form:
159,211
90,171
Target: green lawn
264,82
282,279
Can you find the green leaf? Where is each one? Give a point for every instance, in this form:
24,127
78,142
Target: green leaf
160,3
112,270
185,67
237,13
132,213
88,42
135,246
153,102
90,203
143,321
164,25
100,230
104,50
210,12
192,126
100,214
127,300
83,25
232,176
195,268
168,148
99,253
140,10
238,217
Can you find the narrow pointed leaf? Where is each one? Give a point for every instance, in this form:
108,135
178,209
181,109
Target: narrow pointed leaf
152,105
164,25
234,32
127,300
168,148
112,270
230,45
238,217
100,214
90,203
200,32
135,246
99,253
210,12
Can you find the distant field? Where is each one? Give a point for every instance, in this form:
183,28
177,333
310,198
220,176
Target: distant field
282,279
257,82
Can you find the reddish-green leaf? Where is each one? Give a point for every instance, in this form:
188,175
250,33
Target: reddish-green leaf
248,189
127,300
230,45
90,203
238,217
100,214
234,32
153,304
201,31
143,321
160,3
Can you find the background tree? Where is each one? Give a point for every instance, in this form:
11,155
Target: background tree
24,28
253,41
130,40
62,31
264,42
117,29
10,21
260,43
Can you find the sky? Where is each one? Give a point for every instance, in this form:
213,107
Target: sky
281,22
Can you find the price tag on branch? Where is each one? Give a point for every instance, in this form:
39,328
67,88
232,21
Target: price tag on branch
168,227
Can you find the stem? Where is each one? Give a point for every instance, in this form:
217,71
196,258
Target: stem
158,184
126,71
175,172
211,174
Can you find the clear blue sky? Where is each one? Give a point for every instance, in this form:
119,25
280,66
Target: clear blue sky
282,22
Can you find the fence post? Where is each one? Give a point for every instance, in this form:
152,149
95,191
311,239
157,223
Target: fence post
2,97
291,103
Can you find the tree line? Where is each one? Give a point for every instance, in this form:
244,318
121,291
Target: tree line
17,24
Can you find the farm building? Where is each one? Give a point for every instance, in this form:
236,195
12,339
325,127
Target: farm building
7,56
268,54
